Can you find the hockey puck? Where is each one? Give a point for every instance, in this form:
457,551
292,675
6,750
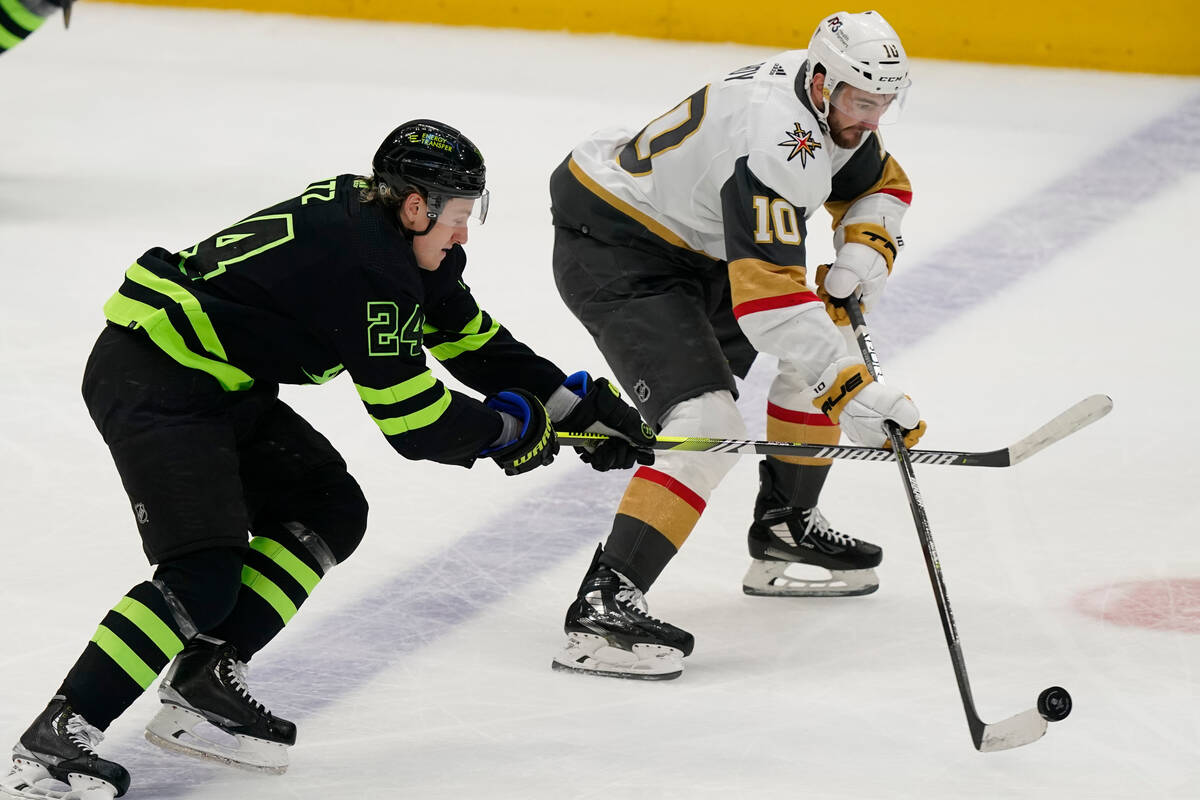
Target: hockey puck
1054,704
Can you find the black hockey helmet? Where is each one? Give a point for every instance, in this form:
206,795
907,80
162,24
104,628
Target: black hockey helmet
435,159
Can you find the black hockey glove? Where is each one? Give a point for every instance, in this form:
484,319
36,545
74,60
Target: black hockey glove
534,445
601,410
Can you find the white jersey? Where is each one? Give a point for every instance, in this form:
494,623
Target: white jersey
733,173
675,168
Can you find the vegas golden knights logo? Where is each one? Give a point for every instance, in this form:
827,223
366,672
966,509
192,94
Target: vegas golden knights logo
802,143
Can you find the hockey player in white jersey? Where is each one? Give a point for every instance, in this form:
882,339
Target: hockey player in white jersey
681,249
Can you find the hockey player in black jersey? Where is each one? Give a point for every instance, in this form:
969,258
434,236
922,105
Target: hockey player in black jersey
355,274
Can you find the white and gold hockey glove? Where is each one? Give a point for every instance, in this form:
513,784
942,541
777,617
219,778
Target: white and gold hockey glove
850,397
867,242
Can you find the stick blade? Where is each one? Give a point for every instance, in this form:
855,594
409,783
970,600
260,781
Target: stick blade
1016,731
1075,418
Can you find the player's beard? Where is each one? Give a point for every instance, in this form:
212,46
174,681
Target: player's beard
847,135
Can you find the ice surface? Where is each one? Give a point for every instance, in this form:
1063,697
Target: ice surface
1050,256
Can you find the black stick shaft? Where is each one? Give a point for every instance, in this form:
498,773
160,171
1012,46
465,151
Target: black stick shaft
924,532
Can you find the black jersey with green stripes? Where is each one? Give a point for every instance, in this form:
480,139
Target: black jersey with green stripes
321,283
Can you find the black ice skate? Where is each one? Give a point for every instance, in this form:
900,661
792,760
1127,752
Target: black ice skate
59,747
781,536
609,632
208,711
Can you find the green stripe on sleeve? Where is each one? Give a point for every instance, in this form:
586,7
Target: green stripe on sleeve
475,324
472,339
304,574
402,391
148,622
267,590
418,419
126,659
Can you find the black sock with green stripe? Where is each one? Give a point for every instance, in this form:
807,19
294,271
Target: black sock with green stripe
134,642
282,568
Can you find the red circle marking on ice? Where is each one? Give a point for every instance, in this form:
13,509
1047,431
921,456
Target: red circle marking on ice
1165,605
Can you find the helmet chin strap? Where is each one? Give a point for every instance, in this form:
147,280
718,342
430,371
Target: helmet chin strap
409,233
428,228
822,113
431,215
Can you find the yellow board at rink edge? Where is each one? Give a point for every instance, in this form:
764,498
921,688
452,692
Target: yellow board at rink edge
1151,36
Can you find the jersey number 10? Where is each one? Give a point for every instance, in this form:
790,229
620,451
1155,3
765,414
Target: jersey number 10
775,221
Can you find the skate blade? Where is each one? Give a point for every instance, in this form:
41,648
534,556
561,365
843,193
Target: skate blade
590,654
189,733
28,781
770,579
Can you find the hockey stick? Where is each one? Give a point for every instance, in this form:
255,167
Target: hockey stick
1078,416
1054,703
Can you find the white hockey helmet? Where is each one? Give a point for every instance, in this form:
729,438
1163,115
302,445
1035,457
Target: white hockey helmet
860,50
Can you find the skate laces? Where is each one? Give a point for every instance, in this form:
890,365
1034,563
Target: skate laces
83,735
632,597
815,522
627,594
239,677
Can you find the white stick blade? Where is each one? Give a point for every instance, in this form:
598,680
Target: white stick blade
1078,416
1022,729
